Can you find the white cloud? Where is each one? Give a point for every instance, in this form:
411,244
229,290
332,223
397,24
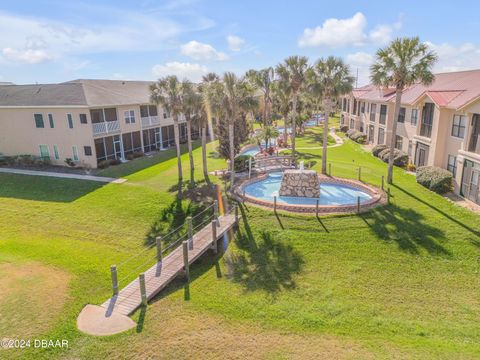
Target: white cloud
29,56
191,71
451,57
200,51
360,61
347,32
235,43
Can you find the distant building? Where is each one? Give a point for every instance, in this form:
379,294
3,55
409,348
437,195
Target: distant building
85,120
438,125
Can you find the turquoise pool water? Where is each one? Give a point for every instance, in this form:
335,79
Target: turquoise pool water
252,151
330,194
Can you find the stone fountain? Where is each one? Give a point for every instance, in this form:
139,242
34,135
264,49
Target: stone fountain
300,183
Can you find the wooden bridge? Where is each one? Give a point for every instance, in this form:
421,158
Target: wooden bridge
112,316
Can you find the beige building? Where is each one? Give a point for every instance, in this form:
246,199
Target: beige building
85,120
438,125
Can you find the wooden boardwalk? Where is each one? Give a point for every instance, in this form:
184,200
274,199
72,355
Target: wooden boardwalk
162,273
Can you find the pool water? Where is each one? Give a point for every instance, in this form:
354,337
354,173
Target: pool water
252,151
330,194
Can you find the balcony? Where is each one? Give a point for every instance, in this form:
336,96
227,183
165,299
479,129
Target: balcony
148,121
474,143
426,130
106,127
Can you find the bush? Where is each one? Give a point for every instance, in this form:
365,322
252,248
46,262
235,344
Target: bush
400,158
434,178
411,167
241,163
350,132
344,128
383,155
377,149
103,164
358,137
70,162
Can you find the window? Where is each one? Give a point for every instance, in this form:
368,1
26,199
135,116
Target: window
70,121
413,117
75,153
458,127
83,119
354,106
39,120
452,164
383,114
401,115
50,120
352,124
427,120
381,136
44,152
129,117
398,142
164,115
55,152
87,150
373,111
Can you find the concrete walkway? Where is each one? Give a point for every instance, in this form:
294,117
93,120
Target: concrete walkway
62,175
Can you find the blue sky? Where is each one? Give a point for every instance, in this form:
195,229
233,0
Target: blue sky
54,41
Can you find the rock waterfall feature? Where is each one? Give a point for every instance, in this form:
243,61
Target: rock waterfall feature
300,183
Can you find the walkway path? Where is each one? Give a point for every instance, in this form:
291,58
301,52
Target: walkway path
62,175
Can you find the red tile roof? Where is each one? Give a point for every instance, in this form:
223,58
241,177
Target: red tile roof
453,90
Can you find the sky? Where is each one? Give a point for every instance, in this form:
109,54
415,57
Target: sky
54,41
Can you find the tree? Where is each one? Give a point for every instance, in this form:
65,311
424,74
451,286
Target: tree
167,92
190,99
329,79
293,72
267,133
263,81
282,104
404,62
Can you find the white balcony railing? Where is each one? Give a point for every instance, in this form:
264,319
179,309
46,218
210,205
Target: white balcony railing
150,121
106,127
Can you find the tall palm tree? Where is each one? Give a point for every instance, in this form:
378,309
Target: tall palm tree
282,104
293,72
189,97
263,80
167,92
404,62
330,78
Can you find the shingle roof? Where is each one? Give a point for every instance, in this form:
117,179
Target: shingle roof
80,92
453,90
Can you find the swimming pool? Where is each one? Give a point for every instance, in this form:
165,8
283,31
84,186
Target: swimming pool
251,151
330,193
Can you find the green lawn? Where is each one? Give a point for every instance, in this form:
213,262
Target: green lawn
398,282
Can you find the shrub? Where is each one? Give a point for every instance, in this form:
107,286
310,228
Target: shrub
358,137
70,162
400,158
383,155
377,149
138,154
103,164
411,167
434,178
344,128
241,163
350,132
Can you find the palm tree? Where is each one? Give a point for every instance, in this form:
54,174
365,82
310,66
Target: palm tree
404,62
266,133
263,80
330,78
189,97
281,103
167,92
293,72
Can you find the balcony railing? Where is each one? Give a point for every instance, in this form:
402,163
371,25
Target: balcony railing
106,127
426,130
474,144
150,121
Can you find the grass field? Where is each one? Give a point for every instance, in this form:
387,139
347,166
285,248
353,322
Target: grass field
398,282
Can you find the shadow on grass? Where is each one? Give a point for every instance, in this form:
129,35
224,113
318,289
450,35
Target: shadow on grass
43,188
192,203
452,219
407,228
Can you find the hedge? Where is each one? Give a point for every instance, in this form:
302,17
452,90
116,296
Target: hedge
357,136
434,178
241,162
400,158
344,128
377,149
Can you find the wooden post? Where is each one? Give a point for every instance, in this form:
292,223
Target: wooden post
190,232
236,213
185,260
215,210
143,288
113,270
383,182
359,173
358,204
329,169
159,248
388,195
249,167
214,236
275,203
316,207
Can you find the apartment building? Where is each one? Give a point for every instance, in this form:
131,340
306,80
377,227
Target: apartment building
438,125
85,120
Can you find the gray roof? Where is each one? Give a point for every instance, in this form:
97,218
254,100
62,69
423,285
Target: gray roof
81,92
